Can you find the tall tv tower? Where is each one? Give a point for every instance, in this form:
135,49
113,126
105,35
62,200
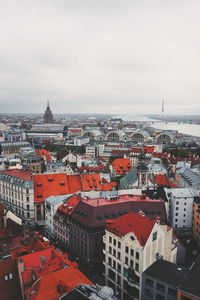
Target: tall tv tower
162,105
162,110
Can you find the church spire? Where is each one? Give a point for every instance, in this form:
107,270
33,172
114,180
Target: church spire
48,116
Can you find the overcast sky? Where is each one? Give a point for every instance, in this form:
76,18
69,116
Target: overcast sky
100,56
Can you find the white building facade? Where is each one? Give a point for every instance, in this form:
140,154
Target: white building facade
17,193
51,205
129,252
180,209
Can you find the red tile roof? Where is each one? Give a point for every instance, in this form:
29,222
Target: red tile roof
45,153
31,243
46,185
24,175
121,165
140,226
55,284
162,180
49,273
92,169
70,204
109,186
120,151
173,184
161,155
136,150
91,182
148,149
42,262
74,183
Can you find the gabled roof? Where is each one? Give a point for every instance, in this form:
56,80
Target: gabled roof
141,227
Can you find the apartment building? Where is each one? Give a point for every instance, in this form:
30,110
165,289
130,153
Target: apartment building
161,280
180,209
51,205
132,243
17,193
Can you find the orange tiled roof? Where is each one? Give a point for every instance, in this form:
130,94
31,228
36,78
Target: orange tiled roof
45,153
121,165
161,179
52,261
91,182
55,284
46,185
74,183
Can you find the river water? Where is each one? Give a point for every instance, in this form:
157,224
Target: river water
189,129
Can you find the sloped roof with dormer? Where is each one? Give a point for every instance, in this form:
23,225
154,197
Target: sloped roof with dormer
140,226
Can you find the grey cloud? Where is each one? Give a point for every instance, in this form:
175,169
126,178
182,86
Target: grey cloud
108,55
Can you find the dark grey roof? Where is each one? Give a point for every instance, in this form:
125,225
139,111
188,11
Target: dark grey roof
167,272
142,167
191,283
158,193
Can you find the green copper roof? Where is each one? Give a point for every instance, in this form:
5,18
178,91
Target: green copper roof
129,178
